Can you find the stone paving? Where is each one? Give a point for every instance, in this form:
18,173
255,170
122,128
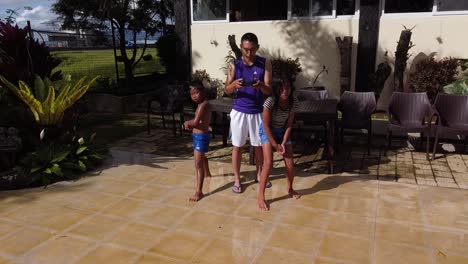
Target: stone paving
375,209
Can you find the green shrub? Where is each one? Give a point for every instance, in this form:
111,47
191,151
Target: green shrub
286,67
432,75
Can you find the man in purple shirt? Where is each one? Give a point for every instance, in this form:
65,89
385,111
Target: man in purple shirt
249,77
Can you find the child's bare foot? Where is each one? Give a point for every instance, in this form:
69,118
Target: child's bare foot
294,194
196,197
262,205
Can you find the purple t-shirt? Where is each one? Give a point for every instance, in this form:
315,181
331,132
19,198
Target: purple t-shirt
249,100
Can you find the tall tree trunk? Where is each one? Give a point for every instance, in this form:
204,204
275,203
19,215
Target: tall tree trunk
182,30
401,57
123,51
346,48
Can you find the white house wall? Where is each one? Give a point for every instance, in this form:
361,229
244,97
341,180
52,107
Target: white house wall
442,34
313,42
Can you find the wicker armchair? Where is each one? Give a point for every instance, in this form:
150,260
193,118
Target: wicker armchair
409,113
357,109
452,117
169,101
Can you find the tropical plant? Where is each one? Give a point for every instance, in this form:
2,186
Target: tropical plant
459,87
22,58
58,160
286,67
47,107
324,70
432,75
215,87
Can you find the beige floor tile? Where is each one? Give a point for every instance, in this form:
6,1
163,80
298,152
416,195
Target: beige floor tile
318,201
151,193
62,249
53,217
399,233
350,224
354,205
162,215
143,175
321,260
251,231
7,227
204,222
146,259
448,220
216,184
399,211
345,248
130,209
295,238
180,197
179,245
4,260
137,236
362,190
451,259
445,241
221,251
106,254
279,256
172,179
249,209
93,201
97,227
386,252
22,241
226,204
305,217
113,187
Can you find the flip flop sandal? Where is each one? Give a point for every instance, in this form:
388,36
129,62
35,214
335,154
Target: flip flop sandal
268,185
237,189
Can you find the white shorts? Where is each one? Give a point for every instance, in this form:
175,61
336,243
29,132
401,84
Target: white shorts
243,126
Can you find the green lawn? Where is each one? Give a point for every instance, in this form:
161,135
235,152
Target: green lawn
101,62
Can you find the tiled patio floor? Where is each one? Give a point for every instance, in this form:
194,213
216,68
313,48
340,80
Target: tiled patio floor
136,210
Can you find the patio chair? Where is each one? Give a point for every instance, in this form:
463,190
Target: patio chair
356,109
169,101
310,94
307,94
409,113
452,117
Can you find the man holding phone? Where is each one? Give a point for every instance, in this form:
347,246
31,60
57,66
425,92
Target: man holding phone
248,76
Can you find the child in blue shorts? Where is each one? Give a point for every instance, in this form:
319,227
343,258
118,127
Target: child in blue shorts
201,136
275,133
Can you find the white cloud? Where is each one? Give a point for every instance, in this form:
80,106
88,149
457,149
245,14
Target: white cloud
38,16
15,3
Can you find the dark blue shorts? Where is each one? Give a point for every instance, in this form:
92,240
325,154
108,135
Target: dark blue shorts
278,134
201,142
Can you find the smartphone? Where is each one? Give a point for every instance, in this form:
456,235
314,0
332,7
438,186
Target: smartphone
247,83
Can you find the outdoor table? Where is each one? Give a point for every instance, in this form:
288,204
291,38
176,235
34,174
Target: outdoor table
323,111
311,110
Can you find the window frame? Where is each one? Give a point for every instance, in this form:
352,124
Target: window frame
218,21
433,12
444,13
289,16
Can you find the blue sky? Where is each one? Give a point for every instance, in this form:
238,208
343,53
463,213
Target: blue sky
39,14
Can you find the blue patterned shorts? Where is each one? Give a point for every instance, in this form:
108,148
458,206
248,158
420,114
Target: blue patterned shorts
278,134
201,142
